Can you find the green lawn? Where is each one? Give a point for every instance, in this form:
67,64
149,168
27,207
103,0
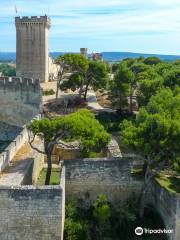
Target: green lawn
171,183
55,177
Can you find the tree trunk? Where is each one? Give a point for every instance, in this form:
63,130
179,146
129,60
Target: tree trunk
57,89
60,77
131,101
49,169
81,90
86,90
120,105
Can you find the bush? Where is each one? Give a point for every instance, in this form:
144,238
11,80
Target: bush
112,121
48,92
7,70
101,220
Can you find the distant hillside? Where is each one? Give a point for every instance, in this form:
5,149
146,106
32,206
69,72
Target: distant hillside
108,56
116,56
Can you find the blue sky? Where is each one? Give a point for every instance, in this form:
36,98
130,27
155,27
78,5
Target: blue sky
101,25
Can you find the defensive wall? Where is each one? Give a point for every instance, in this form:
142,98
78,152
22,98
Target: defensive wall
101,176
20,100
7,155
35,213
168,205
31,213
20,103
88,178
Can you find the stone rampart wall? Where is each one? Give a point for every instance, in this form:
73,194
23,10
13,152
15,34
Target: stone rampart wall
37,166
168,205
20,100
7,155
101,176
31,213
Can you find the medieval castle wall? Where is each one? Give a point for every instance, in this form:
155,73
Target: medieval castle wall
168,205
101,176
20,100
20,103
28,212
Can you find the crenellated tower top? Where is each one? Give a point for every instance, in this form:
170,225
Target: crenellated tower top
33,20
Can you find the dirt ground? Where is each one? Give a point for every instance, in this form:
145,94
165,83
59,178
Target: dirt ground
103,100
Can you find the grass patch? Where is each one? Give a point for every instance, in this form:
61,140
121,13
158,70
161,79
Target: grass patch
48,92
171,183
138,173
55,177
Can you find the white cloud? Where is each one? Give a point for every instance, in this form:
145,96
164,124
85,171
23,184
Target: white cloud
92,19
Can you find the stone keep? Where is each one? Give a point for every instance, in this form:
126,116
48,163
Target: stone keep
32,48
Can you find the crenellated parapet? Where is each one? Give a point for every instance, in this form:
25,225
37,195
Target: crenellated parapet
20,100
21,84
33,20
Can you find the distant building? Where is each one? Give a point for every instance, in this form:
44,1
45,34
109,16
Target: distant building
84,51
97,56
1,74
32,48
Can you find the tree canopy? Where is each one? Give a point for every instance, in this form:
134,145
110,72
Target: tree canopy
84,73
80,125
156,131
7,70
120,88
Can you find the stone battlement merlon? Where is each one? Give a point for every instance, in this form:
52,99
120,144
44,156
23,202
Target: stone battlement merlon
24,82
33,20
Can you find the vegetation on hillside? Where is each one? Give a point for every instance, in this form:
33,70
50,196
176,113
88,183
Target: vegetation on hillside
7,70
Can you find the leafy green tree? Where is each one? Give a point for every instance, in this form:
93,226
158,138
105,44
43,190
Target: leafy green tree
156,134
74,65
148,83
139,67
81,126
101,211
163,68
172,78
115,67
7,70
94,74
120,88
102,214
147,88
152,60
97,76
75,225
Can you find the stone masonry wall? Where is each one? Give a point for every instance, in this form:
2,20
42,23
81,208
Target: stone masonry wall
7,155
101,176
32,47
31,213
20,100
168,205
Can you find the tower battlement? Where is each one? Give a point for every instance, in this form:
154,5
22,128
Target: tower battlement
20,100
33,20
32,47
18,83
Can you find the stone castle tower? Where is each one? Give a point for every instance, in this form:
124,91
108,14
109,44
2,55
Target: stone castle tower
32,47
